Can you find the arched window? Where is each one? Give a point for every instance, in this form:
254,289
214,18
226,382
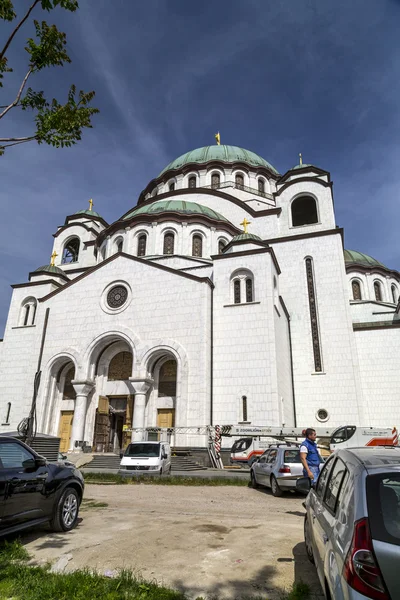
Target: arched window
120,367
69,392
221,246
249,289
8,410
192,181
103,252
261,185
378,291
119,245
304,211
395,294
236,291
71,251
28,312
355,286
172,186
169,239
244,408
197,245
215,180
141,245
167,379
239,181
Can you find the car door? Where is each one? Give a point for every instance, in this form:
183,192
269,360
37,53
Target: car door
316,507
2,491
24,484
269,465
259,469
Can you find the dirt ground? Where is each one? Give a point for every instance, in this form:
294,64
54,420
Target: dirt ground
209,541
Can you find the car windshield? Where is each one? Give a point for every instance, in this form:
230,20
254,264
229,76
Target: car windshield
292,456
241,445
143,450
383,497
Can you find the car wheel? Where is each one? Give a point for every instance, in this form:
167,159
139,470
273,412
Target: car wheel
66,511
276,490
160,472
253,479
307,541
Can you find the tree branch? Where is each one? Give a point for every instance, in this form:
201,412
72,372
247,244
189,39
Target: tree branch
24,139
10,106
10,39
16,143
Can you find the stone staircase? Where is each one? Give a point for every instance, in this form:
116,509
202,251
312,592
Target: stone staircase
182,461
104,461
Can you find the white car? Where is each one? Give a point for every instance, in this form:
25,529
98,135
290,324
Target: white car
150,458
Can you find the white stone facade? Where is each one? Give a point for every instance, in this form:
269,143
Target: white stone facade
268,330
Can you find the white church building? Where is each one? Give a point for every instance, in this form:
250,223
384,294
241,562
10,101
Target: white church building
224,296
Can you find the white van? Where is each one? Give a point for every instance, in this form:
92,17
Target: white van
150,458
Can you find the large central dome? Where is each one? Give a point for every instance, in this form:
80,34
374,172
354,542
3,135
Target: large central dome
228,154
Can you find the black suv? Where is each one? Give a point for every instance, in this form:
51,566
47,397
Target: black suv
33,491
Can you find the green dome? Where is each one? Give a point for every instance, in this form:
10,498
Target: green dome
352,257
91,213
50,269
180,206
300,167
228,154
245,236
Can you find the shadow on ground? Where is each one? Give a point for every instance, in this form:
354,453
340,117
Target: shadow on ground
261,583
48,538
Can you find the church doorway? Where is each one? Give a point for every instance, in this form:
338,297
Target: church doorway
165,417
65,428
113,418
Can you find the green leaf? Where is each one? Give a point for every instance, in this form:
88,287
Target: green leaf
50,51
7,10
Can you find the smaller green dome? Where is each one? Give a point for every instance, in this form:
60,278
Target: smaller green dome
180,206
91,213
300,167
242,237
50,269
352,257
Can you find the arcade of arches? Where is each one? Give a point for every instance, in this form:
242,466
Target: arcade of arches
115,396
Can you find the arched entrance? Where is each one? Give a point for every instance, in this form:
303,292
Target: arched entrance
161,406
113,416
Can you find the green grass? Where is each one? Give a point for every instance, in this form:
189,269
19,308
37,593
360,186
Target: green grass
106,478
19,581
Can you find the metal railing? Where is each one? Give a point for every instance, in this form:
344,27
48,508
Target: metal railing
243,188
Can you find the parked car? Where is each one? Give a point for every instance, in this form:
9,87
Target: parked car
278,468
352,524
150,458
34,491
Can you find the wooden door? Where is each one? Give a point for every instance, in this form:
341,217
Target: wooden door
65,428
165,417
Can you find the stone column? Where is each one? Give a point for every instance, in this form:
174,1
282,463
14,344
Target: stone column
82,389
140,387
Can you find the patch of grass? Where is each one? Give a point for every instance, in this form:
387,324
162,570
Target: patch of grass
107,478
18,581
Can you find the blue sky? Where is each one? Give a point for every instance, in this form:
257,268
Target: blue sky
278,77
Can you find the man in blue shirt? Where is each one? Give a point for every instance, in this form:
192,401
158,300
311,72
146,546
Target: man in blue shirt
309,456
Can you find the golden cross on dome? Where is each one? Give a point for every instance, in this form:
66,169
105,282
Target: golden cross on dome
218,138
53,259
245,222
301,158
90,204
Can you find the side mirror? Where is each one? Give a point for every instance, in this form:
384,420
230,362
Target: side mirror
121,454
303,485
40,461
165,456
30,463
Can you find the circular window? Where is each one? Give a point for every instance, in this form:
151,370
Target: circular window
322,414
117,296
